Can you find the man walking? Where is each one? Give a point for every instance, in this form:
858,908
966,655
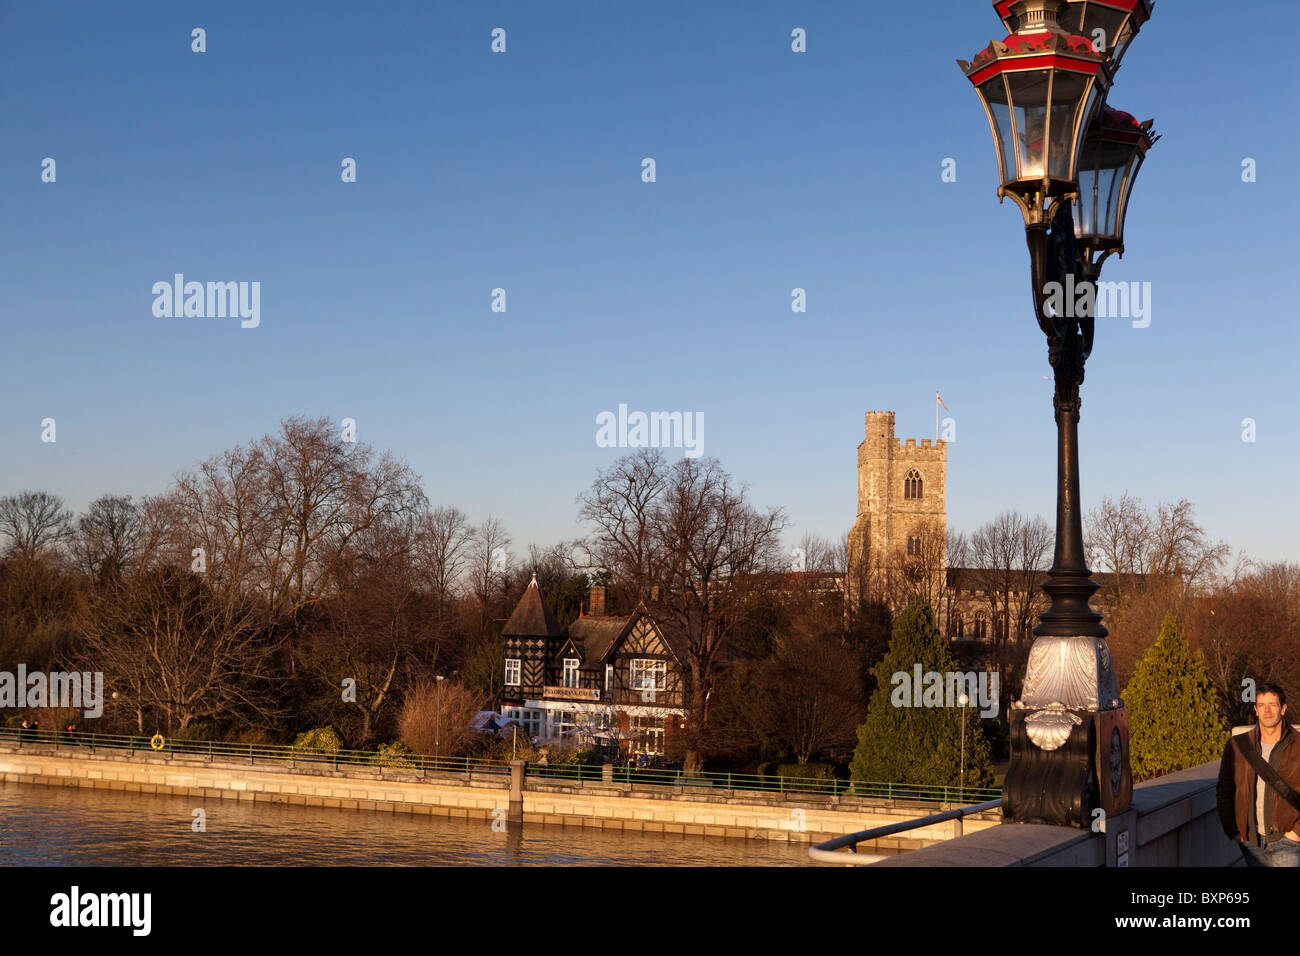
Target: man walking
1258,778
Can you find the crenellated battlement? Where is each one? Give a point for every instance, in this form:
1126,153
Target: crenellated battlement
927,451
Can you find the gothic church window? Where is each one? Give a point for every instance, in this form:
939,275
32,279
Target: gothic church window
912,484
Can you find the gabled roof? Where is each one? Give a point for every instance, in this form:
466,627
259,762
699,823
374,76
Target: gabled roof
571,648
596,635
531,617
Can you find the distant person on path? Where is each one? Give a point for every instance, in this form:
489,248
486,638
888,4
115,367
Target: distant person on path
1258,778
25,731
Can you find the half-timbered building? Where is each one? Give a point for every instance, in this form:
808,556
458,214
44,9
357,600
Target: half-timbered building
613,682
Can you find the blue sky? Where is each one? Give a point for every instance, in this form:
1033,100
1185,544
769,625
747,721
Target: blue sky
522,171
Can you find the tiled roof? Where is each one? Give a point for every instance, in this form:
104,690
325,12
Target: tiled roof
532,618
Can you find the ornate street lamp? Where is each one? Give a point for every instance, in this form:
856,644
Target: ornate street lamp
1043,89
1110,24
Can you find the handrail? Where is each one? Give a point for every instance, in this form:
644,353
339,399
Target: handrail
251,752
725,780
423,763
827,852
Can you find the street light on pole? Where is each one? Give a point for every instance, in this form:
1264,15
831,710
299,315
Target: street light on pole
1043,89
961,780
437,734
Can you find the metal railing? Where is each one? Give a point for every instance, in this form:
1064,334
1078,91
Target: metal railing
280,753
830,851
426,763
725,780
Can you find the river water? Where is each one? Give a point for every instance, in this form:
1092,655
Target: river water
72,826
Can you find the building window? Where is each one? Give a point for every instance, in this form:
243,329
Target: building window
647,735
958,625
981,626
913,546
912,484
528,718
570,672
609,677
512,673
649,675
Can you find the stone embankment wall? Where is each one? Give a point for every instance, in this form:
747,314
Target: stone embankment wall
609,806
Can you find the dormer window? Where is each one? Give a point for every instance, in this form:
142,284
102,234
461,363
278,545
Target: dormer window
570,672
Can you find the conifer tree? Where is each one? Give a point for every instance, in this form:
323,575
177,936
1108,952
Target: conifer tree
899,743
1174,721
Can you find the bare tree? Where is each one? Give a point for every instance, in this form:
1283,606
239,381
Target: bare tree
489,566
33,522
1118,536
173,648
619,506
376,629
957,555
442,552
687,534
923,565
109,537
1009,555
280,518
809,694
322,495
1139,546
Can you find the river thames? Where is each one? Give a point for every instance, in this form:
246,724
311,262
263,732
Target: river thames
71,826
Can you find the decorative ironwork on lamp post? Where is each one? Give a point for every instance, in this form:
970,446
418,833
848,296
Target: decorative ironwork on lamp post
1069,164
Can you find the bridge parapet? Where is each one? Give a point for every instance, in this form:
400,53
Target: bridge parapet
1173,821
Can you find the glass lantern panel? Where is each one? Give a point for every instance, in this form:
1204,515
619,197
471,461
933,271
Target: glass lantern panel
1088,111
1109,185
1029,109
1101,25
1130,174
1085,210
1067,93
995,94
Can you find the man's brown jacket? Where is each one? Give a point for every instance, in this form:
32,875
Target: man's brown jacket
1236,790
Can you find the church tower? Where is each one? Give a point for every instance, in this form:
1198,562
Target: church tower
897,544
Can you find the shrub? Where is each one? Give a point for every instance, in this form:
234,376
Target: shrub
196,731
806,771
585,758
424,731
393,755
1174,722
322,740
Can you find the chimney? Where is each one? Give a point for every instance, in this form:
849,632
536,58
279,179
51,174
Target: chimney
596,600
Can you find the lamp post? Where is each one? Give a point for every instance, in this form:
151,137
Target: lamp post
1043,89
961,780
437,733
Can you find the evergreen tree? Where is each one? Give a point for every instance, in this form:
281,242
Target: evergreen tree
899,743
1174,722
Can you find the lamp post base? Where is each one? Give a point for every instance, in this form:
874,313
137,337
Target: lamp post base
1069,737
1067,785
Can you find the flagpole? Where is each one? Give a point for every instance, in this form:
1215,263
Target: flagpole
936,417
